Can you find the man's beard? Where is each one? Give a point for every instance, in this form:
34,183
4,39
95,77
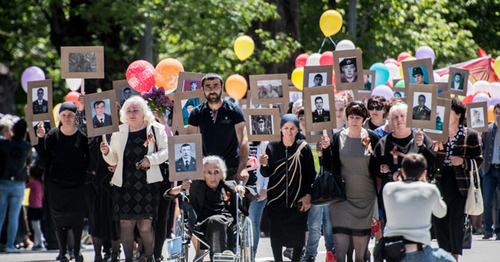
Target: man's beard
212,100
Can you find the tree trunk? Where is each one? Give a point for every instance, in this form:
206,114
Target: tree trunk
146,44
8,87
352,20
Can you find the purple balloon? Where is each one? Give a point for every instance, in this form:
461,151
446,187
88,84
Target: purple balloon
32,73
494,100
384,91
425,52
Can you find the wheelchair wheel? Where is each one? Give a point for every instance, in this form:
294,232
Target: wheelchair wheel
246,241
185,240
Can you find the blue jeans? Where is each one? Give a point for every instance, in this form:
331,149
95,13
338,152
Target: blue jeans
11,195
255,213
490,182
318,216
429,255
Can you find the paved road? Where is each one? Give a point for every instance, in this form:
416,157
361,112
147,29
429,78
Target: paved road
482,250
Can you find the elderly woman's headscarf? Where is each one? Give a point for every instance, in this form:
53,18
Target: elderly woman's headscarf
67,106
290,118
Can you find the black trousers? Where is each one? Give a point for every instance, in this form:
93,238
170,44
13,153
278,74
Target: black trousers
219,233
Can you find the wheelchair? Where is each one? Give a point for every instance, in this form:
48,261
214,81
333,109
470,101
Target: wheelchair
178,247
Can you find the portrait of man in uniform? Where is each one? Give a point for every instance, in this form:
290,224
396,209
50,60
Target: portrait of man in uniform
186,162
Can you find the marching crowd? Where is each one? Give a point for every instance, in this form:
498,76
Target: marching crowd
396,179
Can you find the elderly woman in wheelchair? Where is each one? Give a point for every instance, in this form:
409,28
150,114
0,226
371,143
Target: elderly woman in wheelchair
214,202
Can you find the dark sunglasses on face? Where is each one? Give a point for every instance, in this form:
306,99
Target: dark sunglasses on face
379,107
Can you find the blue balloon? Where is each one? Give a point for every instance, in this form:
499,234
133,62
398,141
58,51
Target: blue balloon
381,73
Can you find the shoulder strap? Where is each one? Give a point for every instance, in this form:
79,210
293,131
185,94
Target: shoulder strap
154,136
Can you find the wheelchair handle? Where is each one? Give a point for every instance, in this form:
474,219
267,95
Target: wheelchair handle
184,195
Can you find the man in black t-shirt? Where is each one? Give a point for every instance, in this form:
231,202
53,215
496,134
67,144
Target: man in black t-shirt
222,127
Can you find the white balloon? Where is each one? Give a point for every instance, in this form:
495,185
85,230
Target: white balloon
393,71
313,60
345,45
470,88
74,83
482,86
495,89
481,97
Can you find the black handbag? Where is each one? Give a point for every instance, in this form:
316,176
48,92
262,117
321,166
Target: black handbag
328,188
164,165
467,241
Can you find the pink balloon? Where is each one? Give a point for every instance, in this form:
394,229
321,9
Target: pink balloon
301,60
72,97
403,55
141,76
391,60
326,58
32,73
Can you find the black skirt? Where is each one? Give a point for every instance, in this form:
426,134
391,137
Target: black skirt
66,203
287,225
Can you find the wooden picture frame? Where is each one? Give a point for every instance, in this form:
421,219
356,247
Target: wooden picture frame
421,116
186,80
105,103
123,91
477,116
177,169
462,87
318,121
40,110
85,62
49,123
415,67
348,60
312,72
444,92
269,89
263,124
443,108
182,108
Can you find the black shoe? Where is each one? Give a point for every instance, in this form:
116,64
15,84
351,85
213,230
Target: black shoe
62,258
498,236
71,255
107,256
487,235
98,258
79,258
288,253
115,256
308,259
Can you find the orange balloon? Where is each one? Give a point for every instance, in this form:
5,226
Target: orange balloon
236,86
491,117
167,74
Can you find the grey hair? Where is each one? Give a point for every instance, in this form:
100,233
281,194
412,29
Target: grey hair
297,104
5,125
217,161
396,108
148,114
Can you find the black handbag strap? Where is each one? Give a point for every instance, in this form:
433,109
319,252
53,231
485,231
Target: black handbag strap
154,136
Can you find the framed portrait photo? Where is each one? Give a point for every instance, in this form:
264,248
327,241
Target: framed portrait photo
186,157
123,91
369,84
317,76
440,131
33,125
319,109
101,113
40,99
458,79
189,81
422,101
418,72
184,103
477,116
82,62
263,124
269,89
294,93
348,66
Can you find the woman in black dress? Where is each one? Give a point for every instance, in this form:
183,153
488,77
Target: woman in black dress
136,150
289,165
454,161
66,154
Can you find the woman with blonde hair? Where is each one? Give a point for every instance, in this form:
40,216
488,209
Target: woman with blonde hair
137,150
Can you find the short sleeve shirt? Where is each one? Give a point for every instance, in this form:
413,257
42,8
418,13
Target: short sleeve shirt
217,130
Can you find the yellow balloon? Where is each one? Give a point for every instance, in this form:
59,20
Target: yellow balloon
496,66
236,86
410,58
298,78
330,22
243,47
55,111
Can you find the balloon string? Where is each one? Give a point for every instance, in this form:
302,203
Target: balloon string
322,44
238,68
334,45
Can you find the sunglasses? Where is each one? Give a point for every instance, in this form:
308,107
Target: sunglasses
379,107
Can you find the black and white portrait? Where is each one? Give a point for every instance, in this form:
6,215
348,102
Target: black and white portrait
101,113
40,100
320,108
477,117
185,157
261,124
421,105
82,62
45,123
270,88
348,70
368,81
457,83
418,75
126,93
295,95
317,79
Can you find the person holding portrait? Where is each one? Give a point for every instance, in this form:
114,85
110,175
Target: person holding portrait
348,155
375,107
137,150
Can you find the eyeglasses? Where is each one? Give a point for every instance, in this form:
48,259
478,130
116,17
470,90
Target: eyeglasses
379,107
